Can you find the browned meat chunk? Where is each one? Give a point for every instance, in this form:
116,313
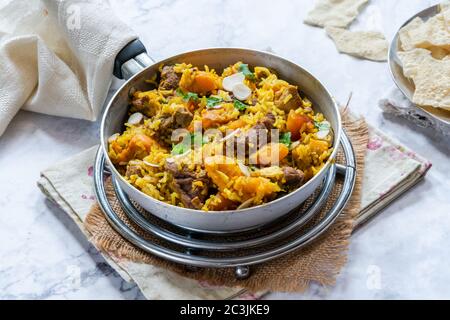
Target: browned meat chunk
259,133
181,118
265,123
139,103
144,105
293,177
186,183
169,79
134,168
292,103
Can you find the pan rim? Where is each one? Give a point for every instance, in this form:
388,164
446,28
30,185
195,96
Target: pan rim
330,161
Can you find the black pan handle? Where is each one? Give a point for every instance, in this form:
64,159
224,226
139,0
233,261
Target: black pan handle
131,52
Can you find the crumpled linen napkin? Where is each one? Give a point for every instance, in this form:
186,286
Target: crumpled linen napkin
390,170
397,104
57,56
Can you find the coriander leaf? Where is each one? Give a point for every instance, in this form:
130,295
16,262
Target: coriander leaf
213,101
205,140
324,125
180,148
246,71
187,95
198,138
179,92
190,96
285,138
239,105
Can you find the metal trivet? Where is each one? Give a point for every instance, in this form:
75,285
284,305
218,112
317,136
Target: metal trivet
240,249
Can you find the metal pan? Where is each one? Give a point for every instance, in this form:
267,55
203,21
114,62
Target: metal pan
134,65
405,85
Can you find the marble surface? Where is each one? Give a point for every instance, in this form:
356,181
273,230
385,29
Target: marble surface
402,253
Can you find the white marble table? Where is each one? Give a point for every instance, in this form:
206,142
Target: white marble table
401,254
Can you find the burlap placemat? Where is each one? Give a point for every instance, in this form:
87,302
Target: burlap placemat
319,262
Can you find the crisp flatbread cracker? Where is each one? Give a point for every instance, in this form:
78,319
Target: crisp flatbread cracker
335,13
431,77
445,5
434,34
405,34
370,45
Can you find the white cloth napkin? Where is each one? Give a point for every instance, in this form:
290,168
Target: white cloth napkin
397,104
57,56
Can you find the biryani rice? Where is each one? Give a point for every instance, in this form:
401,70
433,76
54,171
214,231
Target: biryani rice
143,152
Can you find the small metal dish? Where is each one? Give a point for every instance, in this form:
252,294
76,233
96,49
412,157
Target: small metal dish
405,85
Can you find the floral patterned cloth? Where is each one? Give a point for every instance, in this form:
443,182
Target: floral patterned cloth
390,170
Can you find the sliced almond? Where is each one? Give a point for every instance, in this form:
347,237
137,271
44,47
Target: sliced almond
322,134
324,130
241,91
113,137
244,168
135,118
154,165
229,82
230,135
246,204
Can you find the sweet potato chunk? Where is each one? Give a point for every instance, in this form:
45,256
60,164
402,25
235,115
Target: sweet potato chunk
222,170
269,154
257,188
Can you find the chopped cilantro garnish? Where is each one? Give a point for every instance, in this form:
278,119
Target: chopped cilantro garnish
213,101
184,146
285,138
239,105
198,138
187,95
180,148
191,96
246,71
324,125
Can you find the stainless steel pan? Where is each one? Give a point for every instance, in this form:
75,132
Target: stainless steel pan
134,65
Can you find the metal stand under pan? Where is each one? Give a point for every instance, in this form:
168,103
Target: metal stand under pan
238,250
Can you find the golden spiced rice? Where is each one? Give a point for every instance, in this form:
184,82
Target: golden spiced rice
220,141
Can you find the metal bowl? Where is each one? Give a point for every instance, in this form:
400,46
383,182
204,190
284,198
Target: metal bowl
219,58
405,85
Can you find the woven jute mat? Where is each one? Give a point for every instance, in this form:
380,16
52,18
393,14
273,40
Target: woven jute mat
319,262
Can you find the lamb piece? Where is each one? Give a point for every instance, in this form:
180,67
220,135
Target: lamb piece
134,168
145,106
265,123
293,177
191,196
169,79
261,128
139,103
181,118
293,103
